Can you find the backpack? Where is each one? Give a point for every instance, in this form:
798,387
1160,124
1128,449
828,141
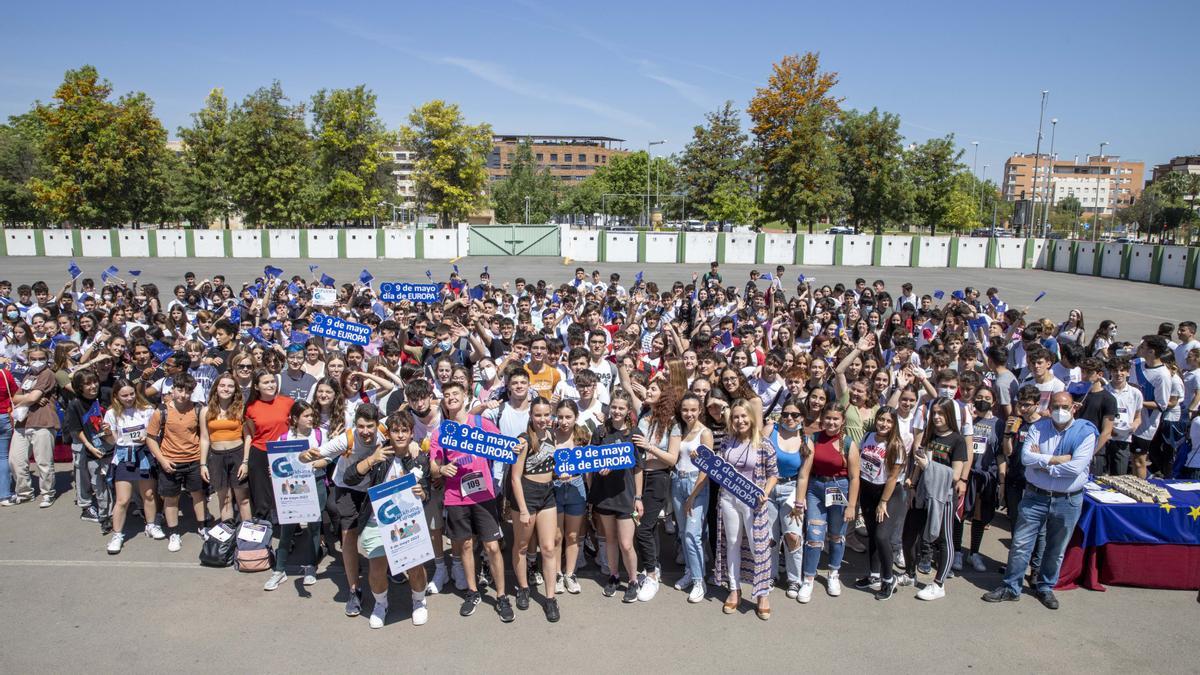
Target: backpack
218,549
254,552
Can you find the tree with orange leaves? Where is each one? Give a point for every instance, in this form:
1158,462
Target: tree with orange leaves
793,120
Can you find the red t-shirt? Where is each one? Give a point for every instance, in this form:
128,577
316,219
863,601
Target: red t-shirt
270,420
8,384
827,457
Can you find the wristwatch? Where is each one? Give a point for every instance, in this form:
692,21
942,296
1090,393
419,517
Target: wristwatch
637,498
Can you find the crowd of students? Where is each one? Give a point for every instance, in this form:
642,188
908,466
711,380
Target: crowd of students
873,419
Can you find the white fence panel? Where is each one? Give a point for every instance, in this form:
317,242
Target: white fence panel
1141,262
700,247
935,252
857,249
779,249
740,248
818,249
1174,266
58,242
171,243
895,251
661,247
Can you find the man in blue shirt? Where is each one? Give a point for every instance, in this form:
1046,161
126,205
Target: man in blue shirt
1056,455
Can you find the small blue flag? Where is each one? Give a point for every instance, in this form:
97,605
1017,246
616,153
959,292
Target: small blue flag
939,294
312,269
74,270
485,269
112,270
253,291
276,325
977,323
1040,296
272,271
258,336
554,298
136,273
727,339
801,279
293,288
608,313
576,283
326,280
637,278
455,268
457,284
161,351
235,315
766,276
958,295
298,337
365,277
429,274
477,293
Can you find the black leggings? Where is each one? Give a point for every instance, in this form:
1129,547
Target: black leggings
656,488
262,492
879,535
942,549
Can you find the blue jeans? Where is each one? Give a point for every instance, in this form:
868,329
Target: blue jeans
691,526
1058,516
823,522
571,496
6,432
783,524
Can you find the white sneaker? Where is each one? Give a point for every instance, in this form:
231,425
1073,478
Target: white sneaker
277,577
420,615
115,544
560,585
648,590
47,500
154,531
931,591
833,585
174,543
805,593
572,583
898,563
684,581
698,592
977,563
958,560
378,613
310,574
438,583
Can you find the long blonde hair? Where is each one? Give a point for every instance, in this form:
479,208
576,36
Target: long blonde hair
755,436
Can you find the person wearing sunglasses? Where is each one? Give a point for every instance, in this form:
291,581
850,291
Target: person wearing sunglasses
785,507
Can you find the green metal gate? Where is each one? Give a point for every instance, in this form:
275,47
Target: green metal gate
514,240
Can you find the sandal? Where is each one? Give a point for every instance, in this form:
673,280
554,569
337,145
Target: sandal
764,614
731,603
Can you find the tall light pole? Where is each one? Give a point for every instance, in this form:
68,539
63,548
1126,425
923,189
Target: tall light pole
975,165
982,191
1037,155
526,209
1049,175
1096,222
649,144
387,203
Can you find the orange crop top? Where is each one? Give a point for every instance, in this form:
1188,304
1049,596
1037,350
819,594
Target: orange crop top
224,430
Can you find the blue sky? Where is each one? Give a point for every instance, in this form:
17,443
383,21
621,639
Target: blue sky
1116,71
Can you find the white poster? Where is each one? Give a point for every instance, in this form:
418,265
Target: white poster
295,484
324,297
402,527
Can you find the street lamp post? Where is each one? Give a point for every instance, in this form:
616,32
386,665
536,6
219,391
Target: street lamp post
526,209
1049,175
975,166
1037,155
649,144
1096,222
982,191
387,203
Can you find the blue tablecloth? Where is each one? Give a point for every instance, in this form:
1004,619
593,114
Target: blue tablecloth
1176,522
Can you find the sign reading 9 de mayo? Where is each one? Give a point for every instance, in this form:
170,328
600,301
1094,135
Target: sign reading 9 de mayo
396,291
339,329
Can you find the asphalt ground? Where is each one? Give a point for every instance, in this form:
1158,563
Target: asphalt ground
1137,308
66,604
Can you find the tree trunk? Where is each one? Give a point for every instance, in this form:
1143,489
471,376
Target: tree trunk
932,229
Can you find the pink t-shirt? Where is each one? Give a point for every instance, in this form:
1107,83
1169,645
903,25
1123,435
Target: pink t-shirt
473,483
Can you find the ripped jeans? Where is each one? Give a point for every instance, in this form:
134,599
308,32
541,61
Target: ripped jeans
824,522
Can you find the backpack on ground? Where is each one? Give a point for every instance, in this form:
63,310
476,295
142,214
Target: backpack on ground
218,550
254,552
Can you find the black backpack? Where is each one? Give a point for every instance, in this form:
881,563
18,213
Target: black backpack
220,546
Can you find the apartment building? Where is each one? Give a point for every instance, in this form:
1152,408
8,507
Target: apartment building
1100,183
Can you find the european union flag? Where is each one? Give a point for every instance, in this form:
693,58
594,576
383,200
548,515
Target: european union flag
312,269
457,284
136,273
477,293
766,276
365,277
727,339
235,315
272,271
74,270
161,351
554,298
637,278
258,336
298,337
253,291
293,288
939,294
958,295
326,280
800,280
429,274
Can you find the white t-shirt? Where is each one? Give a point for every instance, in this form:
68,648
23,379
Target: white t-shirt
1129,402
1155,381
130,427
1047,390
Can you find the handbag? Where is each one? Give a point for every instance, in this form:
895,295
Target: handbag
19,412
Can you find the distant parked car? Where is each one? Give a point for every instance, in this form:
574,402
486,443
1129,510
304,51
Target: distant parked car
841,229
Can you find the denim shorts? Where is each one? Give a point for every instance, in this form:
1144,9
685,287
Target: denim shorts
571,496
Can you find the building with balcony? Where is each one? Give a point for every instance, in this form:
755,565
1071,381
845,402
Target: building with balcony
1100,183
569,158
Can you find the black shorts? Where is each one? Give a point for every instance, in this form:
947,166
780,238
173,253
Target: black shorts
349,505
538,496
478,521
223,468
1141,446
128,472
619,515
185,477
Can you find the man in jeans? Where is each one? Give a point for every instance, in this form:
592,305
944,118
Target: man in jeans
39,391
1056,455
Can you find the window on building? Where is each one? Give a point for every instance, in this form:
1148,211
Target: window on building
539,156
595,159
567,157
554,157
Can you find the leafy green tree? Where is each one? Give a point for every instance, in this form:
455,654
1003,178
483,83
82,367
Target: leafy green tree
450,171
871,168
718,155
100,156
793,125
270,156
204,193
20,161
733,202
583,198
623,181
526,179
352,172
932,168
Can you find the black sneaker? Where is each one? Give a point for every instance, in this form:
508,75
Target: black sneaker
887,588
610,588
863,583
89,514
469,604
523,599
631,591
1001,594
1048,600
504,609
552,614
106,527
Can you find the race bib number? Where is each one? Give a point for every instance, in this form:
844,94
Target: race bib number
136,434
978,445
472,483
834,497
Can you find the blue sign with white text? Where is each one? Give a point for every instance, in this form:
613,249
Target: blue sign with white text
397,291
476,441
589,458
339,329
724,474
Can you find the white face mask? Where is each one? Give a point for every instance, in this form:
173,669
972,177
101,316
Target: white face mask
37,366
488,373
947,392
1060,416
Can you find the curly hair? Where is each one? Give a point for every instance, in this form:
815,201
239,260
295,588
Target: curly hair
337,408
